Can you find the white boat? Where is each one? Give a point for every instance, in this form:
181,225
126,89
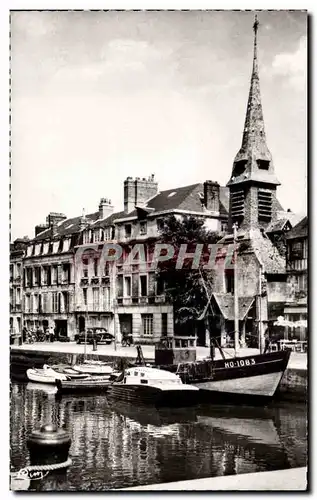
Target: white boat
45,375
143,384
93,368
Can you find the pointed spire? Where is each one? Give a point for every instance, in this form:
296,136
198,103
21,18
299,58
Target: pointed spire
254,140
254,148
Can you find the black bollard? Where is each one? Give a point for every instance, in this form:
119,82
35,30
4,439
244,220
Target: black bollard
49,445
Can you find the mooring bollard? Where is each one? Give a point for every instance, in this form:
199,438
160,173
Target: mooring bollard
49,445
48,449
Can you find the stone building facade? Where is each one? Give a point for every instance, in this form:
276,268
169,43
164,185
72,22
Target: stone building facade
17,250
295,309
135,300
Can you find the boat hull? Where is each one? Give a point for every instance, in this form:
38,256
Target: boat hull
254,378
89,384
35,375
150,395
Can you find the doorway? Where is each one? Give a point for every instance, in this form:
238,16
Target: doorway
81,324
125,324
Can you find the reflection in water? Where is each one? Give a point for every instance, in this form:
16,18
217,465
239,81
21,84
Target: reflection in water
117,445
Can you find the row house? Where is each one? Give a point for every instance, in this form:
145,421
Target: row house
49,274
136,299
17,250
295,309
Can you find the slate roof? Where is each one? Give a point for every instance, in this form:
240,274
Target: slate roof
300,230
267,253
276,226
226,305
67,227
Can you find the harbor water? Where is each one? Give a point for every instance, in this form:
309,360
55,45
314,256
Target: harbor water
116,445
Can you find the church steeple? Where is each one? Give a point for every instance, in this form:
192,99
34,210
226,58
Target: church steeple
253,181
254,160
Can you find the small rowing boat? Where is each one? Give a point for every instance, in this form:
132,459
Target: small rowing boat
91,383
45,375
93,368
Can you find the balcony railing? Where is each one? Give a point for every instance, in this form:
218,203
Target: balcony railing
139,300
94,307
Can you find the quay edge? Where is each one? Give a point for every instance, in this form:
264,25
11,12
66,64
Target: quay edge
279,480
293,386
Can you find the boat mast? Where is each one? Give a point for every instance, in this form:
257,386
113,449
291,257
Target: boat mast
85,348
235,291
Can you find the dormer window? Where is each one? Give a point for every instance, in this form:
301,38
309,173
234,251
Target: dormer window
128,230
143,227
240,167
263,164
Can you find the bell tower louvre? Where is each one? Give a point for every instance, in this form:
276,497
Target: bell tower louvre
253,181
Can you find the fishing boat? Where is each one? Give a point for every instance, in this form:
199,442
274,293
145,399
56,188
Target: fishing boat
143,384
45,375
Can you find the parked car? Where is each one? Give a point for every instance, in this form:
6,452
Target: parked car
100,334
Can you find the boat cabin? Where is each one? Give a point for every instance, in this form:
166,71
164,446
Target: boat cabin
148,376
175,350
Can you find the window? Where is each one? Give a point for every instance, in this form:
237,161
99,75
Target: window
54,275
147,324
45,275
85,268
107,269
95,267
237,204
229,281
66,273
264,205
11,272
45,302
160,286
143,285
85,296
263,164
18,296
54,302
160,224
86,237
143,227
106,298
127,286
95,298
27,303
128,230
18,270
65,301
164,324
296,250
224,226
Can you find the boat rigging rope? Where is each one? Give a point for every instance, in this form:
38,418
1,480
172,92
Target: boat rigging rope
36,471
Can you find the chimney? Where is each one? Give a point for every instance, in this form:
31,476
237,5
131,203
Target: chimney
211,196
40,228
137,191
105,208
54,218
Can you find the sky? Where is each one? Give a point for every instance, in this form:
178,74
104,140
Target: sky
99,96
